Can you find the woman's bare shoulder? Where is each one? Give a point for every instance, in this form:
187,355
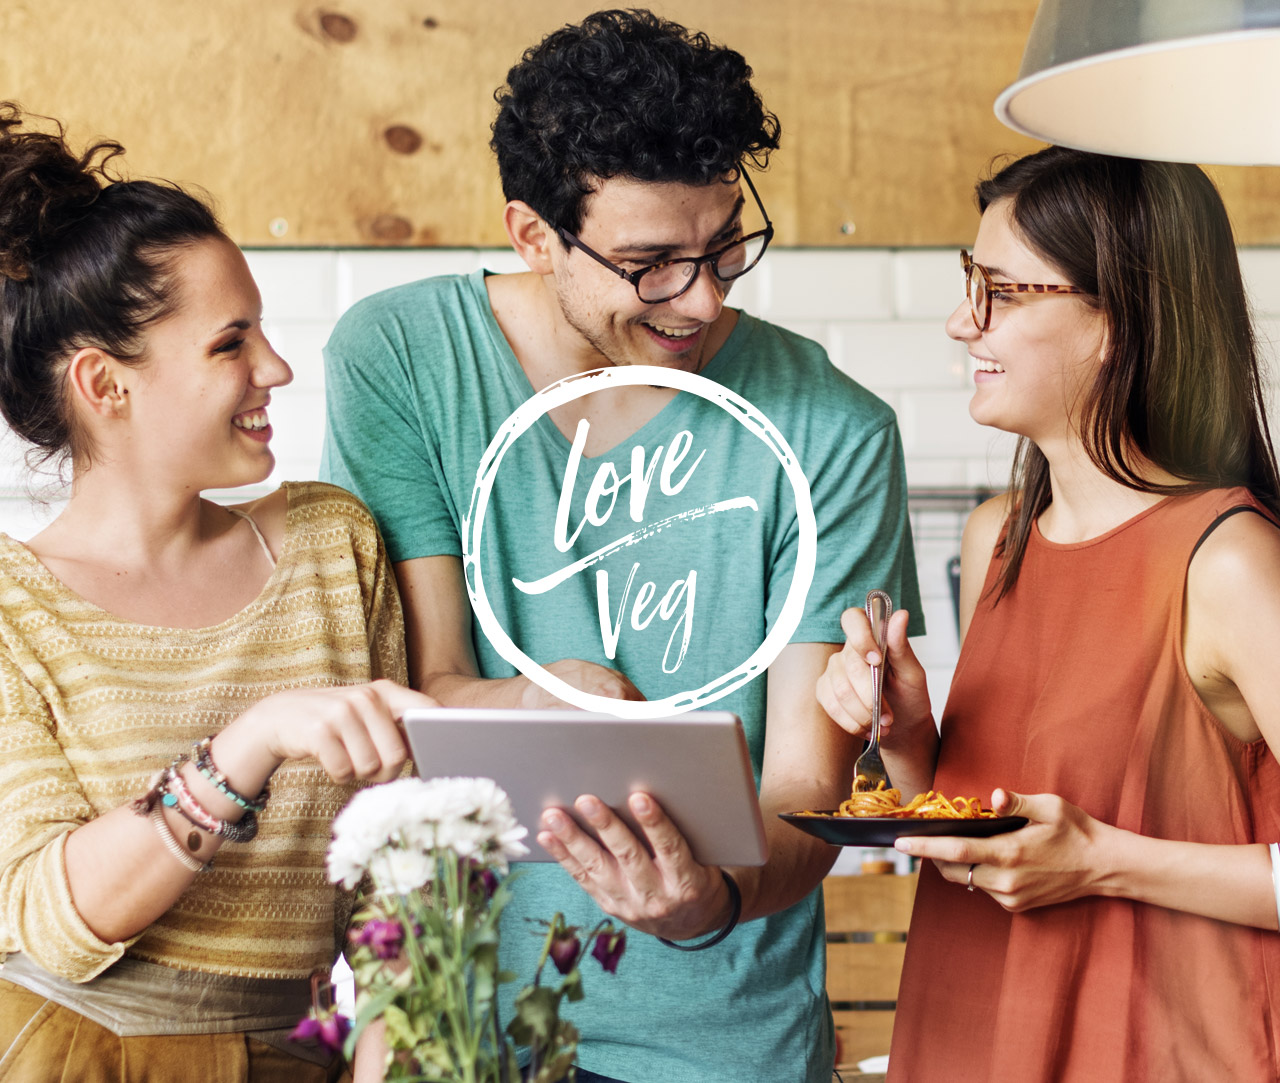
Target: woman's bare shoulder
978,544
1231,635
982,529
1238,551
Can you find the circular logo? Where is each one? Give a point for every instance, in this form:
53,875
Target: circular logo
576,387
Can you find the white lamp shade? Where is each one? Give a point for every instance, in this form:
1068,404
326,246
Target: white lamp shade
1170,80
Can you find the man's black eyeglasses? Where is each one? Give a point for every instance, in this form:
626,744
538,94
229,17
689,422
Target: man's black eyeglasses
667,280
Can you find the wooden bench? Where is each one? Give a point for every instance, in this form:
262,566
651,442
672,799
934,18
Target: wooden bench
867,919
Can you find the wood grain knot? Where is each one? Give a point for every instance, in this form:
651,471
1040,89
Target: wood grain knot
391,228
402,139
337,27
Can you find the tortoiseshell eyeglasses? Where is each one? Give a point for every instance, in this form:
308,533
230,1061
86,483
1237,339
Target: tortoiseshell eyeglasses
979,286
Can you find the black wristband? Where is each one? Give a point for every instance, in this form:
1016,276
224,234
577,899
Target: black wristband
735,912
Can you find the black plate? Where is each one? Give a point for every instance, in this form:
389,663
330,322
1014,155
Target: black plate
882,830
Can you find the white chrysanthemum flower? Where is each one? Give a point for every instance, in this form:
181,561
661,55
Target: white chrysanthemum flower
466,838
342,865
508,839
400,871
391,830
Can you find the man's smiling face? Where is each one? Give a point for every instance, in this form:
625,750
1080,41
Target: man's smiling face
633,224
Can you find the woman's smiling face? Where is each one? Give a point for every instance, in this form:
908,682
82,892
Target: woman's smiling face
1040,350
200,395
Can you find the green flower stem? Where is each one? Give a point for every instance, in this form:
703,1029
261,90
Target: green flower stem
418,960
552,929
459,1003
499,1043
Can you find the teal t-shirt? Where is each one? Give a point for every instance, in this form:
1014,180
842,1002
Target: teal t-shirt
419,380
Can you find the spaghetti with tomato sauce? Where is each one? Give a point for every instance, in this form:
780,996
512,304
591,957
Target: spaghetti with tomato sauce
931,805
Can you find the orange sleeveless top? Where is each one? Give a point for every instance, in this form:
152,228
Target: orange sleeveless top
1075,685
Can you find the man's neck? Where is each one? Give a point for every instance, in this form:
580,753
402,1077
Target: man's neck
530,323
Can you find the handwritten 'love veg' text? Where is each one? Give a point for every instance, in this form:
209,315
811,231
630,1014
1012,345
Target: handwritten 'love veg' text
598,506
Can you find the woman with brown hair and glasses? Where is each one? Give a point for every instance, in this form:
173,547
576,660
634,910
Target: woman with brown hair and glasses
187,691
1117,682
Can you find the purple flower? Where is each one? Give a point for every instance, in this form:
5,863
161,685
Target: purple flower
479,877
386,938
610,945
488,882
327,1029
564,949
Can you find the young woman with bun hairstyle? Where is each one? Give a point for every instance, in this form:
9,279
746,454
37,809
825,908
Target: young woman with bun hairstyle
188,692
1117,682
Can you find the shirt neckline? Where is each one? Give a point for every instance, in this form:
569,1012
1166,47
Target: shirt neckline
1098,539
40,573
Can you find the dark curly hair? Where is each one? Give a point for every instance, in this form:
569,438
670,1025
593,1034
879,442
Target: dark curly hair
85,260
624,94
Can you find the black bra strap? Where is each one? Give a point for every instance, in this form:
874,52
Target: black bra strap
1222,519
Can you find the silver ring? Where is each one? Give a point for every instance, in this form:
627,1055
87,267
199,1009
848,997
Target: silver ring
968,884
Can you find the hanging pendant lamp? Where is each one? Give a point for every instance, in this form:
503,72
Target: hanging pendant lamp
1172,80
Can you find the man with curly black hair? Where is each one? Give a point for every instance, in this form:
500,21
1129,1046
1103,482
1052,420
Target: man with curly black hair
623,144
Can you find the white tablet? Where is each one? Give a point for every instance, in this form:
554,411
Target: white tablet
695,765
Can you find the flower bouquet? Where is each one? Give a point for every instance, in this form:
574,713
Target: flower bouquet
425,945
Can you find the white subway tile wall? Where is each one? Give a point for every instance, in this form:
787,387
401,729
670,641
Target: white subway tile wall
879,313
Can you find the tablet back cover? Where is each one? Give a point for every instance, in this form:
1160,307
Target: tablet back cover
696,766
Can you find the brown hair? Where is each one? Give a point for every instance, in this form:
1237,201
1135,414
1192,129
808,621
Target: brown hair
85,260
1181,387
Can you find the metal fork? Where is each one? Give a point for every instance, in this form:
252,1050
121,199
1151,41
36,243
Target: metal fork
869,772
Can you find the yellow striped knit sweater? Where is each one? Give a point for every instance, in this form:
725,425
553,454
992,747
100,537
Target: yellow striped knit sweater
93,705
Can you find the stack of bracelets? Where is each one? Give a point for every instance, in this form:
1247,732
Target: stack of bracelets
170,790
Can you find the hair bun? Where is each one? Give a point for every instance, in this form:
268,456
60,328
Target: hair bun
45,189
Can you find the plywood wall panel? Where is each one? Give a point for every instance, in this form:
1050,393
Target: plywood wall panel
366,122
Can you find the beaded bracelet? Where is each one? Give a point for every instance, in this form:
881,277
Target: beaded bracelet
735,912
169,788
194,839
171,844
178,795
202,752
144,803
